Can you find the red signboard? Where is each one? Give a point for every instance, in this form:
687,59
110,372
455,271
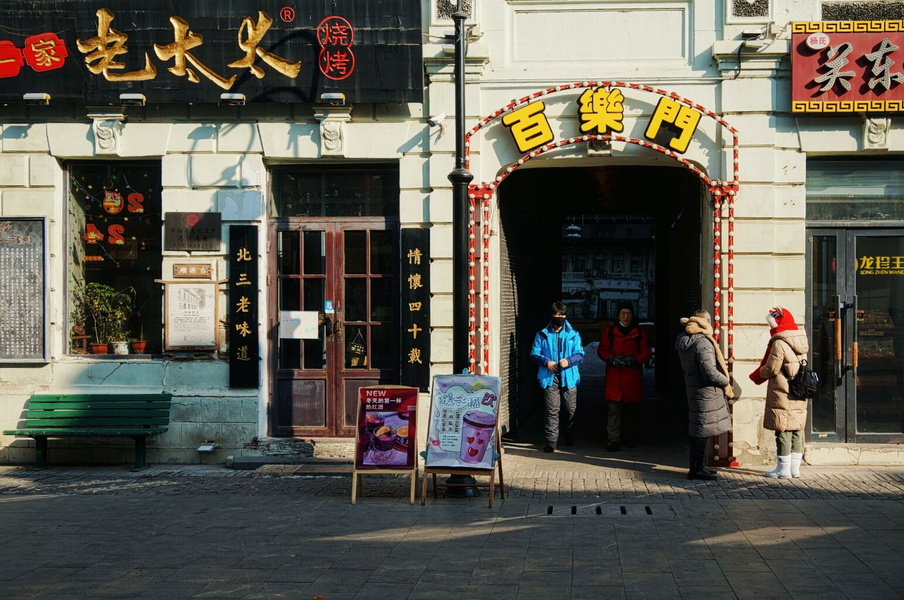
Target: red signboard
847,66
385,437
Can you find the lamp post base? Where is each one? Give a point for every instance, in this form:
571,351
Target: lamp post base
461,486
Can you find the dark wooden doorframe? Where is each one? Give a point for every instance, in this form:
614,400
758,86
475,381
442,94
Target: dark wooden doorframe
353,263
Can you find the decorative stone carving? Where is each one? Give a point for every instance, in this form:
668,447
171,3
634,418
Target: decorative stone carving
445,8
107,128
750,8
599,148
333,136
875,133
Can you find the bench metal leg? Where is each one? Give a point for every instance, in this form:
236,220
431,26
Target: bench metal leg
140,454
41,452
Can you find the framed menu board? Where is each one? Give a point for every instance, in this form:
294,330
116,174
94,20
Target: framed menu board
463,413
23,289
386,433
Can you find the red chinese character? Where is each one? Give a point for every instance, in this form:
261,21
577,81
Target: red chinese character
10,59
336,37
45,51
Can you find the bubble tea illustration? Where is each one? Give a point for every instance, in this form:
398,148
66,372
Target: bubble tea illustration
476,431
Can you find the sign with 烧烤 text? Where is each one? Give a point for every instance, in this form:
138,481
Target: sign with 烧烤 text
192,52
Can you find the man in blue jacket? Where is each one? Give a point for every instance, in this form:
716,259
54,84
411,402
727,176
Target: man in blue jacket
558,351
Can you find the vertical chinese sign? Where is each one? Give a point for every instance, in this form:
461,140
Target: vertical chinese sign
416,308
242,307
22,285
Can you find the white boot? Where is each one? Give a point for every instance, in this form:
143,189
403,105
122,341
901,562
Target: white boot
796,459
783,470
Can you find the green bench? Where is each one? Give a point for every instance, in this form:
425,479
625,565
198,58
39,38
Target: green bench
59,415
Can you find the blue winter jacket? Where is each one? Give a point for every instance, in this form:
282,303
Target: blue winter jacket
551,346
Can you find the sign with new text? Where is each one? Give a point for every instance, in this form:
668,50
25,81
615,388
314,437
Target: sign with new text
385,436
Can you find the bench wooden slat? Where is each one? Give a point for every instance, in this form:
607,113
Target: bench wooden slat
59,415
98,405
77,413
49,431
59,422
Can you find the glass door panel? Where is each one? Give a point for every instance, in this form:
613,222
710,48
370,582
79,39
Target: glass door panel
879,359
856,292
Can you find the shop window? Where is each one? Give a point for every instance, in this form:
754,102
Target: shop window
855,190
336,191
637,263
114,258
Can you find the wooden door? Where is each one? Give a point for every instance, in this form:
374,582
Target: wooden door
347,272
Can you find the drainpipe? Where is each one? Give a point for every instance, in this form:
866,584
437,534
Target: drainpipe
460,486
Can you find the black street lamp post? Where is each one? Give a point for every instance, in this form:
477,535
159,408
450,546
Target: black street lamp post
460,486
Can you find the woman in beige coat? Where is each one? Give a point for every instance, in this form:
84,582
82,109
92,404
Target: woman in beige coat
784,415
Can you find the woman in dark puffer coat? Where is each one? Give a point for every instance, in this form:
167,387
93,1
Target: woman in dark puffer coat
708,388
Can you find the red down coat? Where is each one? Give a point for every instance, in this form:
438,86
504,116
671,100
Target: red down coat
622,384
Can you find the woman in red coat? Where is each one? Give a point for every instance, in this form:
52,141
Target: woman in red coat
624,348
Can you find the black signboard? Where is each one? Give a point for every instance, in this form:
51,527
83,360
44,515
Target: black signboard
23,306
92,51
244,349
192,231
416,308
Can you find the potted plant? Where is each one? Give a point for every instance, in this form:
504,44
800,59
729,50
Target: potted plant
108,311
140,344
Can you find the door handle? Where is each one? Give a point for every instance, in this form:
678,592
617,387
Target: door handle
337,325
839,354
855,349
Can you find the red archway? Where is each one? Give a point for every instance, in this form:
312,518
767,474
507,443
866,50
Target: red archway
723,195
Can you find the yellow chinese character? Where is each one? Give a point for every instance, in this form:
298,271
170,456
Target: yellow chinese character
529,126
897,262
243,304
243,328
602,110
242,353
103,48
243,255
414,331
185,40
414,356
683,117
243,279
414,281
414,306
45,52
883,262
414,256
255,32
867,262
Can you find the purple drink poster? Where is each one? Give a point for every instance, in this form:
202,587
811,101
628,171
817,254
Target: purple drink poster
463,411
386,428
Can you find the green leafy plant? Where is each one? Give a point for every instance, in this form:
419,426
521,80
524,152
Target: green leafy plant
108,311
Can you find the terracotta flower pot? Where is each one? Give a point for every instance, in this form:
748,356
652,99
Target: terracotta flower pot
98,348
139,346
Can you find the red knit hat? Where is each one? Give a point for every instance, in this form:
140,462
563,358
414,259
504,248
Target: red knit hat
780,319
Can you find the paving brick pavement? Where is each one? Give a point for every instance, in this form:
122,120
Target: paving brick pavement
575,525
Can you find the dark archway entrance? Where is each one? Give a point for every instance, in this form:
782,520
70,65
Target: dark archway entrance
591,236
